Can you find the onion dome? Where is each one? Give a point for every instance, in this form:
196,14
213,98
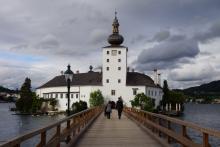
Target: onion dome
115,39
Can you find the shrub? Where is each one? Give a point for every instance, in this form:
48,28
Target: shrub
96,98
143,102
79,106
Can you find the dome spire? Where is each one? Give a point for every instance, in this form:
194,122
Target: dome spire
115,24
115,39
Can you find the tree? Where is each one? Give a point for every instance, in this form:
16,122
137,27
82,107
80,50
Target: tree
176,97
166,91
53,102
79,106
24,104
96,98
36,103
142,101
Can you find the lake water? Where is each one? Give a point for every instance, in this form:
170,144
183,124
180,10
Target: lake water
14,125
205,115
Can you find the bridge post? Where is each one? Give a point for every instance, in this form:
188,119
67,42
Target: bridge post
205,140
159,123
58,135
184,133
43,139
68,127
169,127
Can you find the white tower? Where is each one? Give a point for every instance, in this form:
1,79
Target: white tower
114,64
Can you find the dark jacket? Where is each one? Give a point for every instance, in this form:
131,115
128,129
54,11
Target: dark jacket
119,105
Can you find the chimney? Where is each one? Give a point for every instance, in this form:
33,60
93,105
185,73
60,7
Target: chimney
155,77
159,79
61,72
132,70
128,69
77,72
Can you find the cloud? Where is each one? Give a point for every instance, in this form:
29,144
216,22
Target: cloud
167,55
212,33
48,42
98,36
74,32
161,36
200,72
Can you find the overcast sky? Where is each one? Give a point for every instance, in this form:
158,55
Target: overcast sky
38,38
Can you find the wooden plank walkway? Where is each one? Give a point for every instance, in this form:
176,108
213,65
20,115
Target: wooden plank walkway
116,133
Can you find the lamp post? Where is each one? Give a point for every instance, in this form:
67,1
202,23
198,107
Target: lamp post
69,77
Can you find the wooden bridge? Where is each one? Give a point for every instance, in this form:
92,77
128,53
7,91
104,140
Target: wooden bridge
137,128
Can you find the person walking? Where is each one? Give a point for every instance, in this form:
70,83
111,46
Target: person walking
119,107
108,110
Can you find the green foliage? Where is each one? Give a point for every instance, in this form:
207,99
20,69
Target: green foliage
96,98
166,92
176,97
36,103
172,97
53,102
207,100
79,106
29,101
142,101
24,104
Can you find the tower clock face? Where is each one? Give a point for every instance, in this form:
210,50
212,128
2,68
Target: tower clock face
114,52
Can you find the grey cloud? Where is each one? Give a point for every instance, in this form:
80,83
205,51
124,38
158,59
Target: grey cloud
138,38
73,24
160,36
169,51
48,42
98,36
168,54
211,33
196,73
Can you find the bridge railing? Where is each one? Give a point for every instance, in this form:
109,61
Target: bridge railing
74,126
160,126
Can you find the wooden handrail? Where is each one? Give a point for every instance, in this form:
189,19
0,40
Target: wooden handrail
148,119
73,124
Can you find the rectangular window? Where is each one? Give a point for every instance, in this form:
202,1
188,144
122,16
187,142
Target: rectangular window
56,95
119,52
114,52
149,93
135,91
107,80
155,93
119,80
61,95
119,68
107,68
107,52
66,95
113,92
107,60
77,95
71,95
119,60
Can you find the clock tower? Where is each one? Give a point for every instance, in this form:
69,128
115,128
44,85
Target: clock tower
114,63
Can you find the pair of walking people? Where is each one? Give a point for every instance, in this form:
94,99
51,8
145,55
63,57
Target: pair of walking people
119,107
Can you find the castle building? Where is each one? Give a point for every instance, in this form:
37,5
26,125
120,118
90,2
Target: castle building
114,81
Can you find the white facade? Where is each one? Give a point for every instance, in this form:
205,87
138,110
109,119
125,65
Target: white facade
114,80
114,77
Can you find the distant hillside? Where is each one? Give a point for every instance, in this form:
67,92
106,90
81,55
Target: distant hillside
209,89
3,89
